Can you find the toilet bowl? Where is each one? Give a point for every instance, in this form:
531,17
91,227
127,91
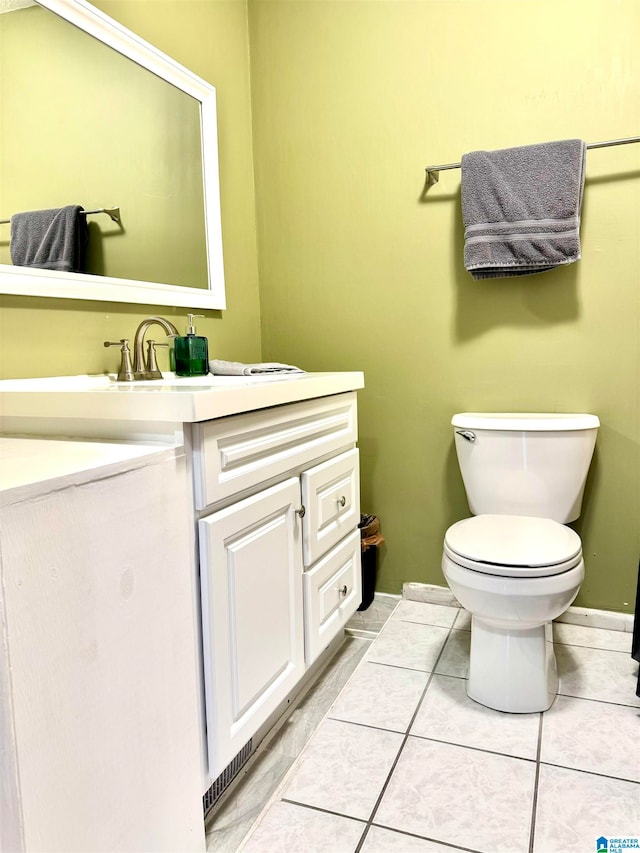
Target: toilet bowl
514,574
514,565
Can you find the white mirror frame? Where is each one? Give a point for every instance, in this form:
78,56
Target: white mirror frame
26,281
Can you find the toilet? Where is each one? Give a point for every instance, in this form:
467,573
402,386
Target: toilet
514,565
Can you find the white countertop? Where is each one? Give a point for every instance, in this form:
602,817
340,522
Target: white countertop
175,400
34,466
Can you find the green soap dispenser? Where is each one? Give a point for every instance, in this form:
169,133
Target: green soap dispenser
191,351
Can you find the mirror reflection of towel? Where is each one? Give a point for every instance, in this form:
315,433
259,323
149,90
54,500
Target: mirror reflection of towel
54,239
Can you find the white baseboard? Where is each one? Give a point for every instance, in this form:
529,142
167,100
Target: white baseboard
387,597
360,633
574,615
430,593
598,619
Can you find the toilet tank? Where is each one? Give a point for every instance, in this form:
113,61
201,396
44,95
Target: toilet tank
525,464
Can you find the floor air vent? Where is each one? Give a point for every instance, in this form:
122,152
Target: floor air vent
227,776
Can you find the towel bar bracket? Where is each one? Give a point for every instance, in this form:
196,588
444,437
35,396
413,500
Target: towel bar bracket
113,212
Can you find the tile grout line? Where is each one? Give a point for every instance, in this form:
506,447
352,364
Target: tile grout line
320,809
534,804
406,668
590,772
441,740
426,838
593,648
404,741
474,748
601,701
403,832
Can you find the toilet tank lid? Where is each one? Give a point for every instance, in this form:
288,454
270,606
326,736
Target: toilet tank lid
532,421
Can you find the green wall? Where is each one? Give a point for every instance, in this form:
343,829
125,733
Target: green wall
344,104
43,337
359,269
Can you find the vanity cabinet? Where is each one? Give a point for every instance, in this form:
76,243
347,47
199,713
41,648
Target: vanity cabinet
277,497
265,500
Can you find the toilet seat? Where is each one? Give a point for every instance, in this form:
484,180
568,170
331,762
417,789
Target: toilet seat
513,546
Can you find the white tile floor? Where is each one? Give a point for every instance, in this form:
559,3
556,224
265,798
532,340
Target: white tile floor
404,761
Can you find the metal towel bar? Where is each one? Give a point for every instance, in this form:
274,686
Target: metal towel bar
113,212
433,172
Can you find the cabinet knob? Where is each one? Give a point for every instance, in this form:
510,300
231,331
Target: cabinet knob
342,501
343,590
301,512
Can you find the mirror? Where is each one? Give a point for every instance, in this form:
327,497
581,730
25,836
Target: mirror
144,138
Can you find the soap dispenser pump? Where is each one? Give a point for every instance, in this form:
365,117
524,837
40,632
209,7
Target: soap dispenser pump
191,351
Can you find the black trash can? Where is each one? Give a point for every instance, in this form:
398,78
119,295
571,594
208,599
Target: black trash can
370,540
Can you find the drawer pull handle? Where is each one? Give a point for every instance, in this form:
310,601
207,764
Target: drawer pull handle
301,512
343,590
342,501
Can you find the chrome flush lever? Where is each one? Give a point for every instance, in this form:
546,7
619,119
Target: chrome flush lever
466,433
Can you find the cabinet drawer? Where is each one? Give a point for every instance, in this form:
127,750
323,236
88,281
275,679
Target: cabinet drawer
332,593
237,453
331,497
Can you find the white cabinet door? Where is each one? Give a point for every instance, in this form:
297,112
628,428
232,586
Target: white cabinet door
332,593
331,496
252,617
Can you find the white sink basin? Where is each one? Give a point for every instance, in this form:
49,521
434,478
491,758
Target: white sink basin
172,399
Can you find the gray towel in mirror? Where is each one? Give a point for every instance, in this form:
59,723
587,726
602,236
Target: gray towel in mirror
521,208
54,239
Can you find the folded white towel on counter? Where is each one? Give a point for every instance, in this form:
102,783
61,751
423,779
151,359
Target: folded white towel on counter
521,208
236,368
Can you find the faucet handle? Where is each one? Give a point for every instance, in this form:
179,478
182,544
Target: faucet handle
152,363
125,373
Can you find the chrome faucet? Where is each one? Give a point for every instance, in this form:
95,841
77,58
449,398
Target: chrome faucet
148,369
